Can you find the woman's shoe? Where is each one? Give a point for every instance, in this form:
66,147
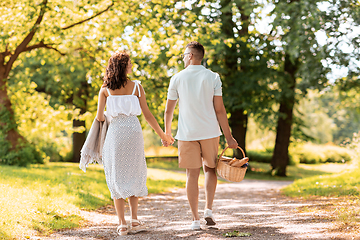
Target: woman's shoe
122,230
136,226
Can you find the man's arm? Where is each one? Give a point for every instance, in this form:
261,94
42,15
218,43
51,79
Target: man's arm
168,117
169,113
223,121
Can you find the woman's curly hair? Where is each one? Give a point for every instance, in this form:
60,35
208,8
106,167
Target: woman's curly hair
115,75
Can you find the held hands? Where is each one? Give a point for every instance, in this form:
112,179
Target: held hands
167,140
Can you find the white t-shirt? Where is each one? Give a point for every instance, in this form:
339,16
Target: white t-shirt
195,87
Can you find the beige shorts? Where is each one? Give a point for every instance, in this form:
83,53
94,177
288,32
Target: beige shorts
193,154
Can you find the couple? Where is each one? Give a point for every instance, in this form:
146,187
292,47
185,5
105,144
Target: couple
201,110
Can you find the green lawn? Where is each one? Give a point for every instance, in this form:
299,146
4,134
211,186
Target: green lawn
49,197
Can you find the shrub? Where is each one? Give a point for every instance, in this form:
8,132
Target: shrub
24,155
310,153
265,156
259,156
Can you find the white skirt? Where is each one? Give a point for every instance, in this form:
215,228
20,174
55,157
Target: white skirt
124,158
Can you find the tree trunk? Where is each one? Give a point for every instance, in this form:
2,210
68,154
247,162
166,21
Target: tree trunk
7,121
238,120
238,123
280,158
78,140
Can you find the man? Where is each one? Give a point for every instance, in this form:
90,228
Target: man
201,110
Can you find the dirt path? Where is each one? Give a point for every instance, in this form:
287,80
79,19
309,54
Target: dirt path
251,206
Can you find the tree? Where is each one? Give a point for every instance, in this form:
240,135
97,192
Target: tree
239,53
55,25
303,67
64,79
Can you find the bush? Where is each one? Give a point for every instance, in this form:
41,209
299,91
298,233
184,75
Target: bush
24,155
310,153
256,156
265,157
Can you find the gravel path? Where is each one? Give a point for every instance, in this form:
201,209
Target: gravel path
251,206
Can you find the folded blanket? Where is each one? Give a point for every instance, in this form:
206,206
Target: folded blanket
92,148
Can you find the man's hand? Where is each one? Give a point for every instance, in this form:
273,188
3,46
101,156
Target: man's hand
232,142
167,143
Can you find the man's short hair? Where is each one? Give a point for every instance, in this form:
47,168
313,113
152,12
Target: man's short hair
198,48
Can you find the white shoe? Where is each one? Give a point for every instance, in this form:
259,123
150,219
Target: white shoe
122,230
138,228
209,218
195,225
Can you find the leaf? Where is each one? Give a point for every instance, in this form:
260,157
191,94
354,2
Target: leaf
236,234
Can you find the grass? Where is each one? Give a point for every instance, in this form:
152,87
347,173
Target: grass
346,183
49,197
338,192
261,171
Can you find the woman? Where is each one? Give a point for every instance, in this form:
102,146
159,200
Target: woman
123,151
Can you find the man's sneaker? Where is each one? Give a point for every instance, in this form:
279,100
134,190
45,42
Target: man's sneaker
209,218
195,225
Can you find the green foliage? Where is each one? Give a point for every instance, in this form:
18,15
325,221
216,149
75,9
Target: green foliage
307,153
312,153
342,106
23,154
259,156
262,171
46,128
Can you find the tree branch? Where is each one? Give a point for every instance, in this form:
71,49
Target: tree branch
87,52
88,19
6,53
20,48
42,45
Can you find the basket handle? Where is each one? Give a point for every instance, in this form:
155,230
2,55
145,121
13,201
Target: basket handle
242,151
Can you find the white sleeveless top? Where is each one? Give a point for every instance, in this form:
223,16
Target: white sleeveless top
124,104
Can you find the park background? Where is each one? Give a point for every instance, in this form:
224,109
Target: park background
290,73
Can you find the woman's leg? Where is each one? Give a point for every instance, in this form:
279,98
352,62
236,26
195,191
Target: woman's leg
120,209
133,206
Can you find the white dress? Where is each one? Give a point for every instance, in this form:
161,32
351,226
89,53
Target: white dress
123,152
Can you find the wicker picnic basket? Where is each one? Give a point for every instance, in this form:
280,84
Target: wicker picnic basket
230,173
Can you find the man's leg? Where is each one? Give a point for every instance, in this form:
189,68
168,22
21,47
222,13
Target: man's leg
192,190
210,186
209,149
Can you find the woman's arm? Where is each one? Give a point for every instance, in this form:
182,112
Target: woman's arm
101,105
149,117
